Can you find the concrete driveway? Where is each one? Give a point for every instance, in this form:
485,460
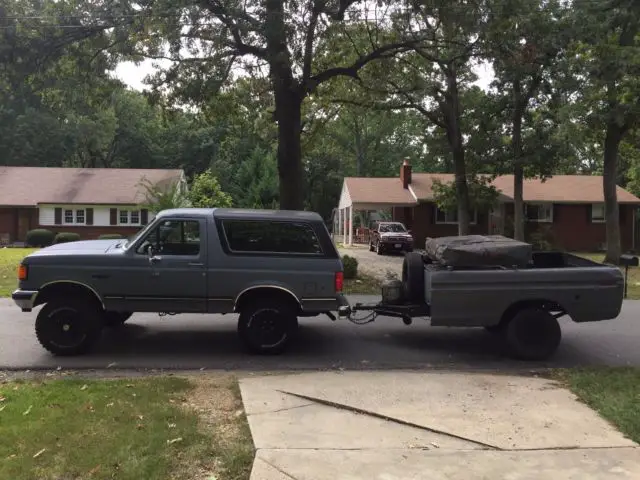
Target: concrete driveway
210,341
436,426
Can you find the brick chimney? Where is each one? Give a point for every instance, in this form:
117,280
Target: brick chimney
405,173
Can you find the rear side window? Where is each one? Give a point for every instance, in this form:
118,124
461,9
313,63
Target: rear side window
271,237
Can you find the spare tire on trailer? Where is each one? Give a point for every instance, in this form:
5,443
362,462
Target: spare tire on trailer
413,277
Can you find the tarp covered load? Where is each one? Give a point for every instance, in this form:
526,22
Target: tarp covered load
478,250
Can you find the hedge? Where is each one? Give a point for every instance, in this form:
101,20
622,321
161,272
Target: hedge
110,236
40,237
65,237
350,265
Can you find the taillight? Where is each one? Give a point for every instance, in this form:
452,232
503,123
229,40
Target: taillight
22,272
339,281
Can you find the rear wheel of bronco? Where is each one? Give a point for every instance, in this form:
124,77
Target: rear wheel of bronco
115,319
69,327
413,277
267,326
532,334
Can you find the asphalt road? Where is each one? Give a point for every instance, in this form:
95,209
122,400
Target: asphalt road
209,342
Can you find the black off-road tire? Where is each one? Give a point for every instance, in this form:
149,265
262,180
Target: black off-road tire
413,277
116,319
379,249
69,327
532,334
266,327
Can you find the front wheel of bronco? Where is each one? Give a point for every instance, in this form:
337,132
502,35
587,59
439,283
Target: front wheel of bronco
532,334
116,319
69,327
267,326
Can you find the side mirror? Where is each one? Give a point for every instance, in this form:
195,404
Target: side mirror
409,232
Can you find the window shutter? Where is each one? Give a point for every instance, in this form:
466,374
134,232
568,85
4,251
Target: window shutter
113,216
89,216
144,216
555,213
57,216
434,213
589,213
621,215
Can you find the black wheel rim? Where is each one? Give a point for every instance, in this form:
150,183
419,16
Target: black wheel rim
267,328
65,328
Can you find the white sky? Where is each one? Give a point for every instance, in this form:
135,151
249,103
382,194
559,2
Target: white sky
133,75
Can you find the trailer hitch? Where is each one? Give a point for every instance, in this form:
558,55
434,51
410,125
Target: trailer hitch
404,312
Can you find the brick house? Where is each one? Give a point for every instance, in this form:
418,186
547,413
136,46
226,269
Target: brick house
566,209
88,201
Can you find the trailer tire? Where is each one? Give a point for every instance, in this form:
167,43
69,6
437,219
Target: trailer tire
532,334
413,277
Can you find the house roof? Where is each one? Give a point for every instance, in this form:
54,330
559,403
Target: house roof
30,186
558,189
378,190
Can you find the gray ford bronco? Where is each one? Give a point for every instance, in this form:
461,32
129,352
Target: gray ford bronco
271,267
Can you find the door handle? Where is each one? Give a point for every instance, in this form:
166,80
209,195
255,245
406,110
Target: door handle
154,259
196,264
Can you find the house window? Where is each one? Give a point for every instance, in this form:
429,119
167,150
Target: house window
68,216
451,216
80,216
539,212
597,213
129,217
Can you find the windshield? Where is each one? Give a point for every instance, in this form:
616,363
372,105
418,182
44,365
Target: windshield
392,227
138,235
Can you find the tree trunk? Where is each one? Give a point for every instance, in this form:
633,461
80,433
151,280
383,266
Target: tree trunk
454,135
462,191
611,146
288,102
518,170
290,172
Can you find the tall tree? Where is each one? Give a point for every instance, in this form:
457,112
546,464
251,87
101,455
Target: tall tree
524,40
607,61
433,77
274,35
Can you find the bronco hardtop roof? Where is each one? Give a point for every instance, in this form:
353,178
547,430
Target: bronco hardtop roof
248,214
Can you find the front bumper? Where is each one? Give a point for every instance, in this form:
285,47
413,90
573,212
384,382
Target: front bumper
24,299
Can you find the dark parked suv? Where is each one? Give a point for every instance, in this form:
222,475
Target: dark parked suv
390,237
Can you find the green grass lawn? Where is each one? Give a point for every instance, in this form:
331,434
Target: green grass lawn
131,429
613,392
9,260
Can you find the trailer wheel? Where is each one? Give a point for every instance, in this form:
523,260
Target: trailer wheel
413,277
532,334
267,326
69,327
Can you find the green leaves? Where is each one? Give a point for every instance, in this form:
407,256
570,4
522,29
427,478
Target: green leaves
205,192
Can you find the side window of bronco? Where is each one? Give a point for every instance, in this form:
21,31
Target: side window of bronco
263,236
173,237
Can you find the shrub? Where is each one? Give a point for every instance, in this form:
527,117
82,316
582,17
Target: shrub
65,237
39,237
110,236
350,265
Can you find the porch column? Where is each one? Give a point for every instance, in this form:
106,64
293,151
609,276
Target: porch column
344,226
351,225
